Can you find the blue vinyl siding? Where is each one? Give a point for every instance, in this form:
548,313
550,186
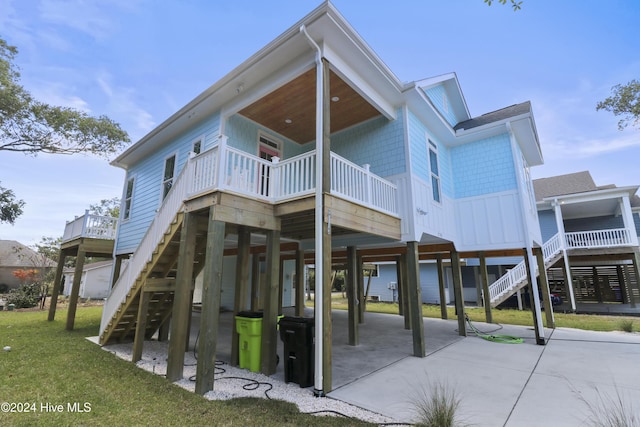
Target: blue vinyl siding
418,135
440,99
148,173
378,142
483,167
548,226
594,223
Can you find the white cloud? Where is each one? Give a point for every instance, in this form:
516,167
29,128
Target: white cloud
121,104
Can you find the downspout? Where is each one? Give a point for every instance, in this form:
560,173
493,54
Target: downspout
319,249
535,298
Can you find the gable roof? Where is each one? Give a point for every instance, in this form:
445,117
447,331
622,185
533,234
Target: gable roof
578,182
495,116
15,254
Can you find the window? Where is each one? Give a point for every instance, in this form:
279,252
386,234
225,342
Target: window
197,146
167,178
128,196
435,172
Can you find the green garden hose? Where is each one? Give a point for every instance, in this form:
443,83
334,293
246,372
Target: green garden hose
504,339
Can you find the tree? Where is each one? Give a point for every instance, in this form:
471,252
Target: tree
31,127
517,5
10,207
624,102
106,207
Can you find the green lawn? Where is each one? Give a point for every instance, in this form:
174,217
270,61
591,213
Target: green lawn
48,365
509,316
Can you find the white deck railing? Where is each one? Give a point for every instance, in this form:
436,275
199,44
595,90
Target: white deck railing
573,240
598,238
144,252
89,225
278,180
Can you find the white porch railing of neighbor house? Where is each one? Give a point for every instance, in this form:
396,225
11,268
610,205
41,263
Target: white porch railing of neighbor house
280,180
593,239
144,253
598,238
89,225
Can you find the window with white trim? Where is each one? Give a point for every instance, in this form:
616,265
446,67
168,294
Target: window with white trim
196,148
435,172
128,198
169,173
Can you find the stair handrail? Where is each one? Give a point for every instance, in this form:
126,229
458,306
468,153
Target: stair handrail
162,220
519,273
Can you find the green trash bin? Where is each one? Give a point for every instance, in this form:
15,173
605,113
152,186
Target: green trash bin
249,328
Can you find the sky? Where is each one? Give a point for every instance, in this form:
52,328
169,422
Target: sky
139,61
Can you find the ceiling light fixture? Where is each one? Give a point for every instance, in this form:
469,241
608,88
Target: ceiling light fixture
288,121
335,98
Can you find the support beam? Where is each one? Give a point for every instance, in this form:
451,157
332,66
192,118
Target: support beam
623,285
117,266
544,288
209,319
141,325
458,292
401,288
57,285
352,289
255,282
360,296
484,278
441,288
414,294
478,281
182,298
242,286
405,283
534,298
636,271
75,289
270,318
300,283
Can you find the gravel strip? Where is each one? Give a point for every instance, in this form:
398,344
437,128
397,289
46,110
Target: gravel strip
154,360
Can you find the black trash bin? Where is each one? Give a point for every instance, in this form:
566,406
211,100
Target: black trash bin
297,335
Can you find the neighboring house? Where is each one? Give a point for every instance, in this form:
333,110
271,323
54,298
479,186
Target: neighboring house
95,282
312,151
16,256
595,229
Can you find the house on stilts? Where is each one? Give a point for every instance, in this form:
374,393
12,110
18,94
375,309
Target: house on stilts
313,152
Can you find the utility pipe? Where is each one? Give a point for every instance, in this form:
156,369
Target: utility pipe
319,247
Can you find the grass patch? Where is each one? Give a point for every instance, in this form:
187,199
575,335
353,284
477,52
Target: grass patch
588,322
47,364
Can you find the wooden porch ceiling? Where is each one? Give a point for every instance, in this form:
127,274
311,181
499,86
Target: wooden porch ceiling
296,102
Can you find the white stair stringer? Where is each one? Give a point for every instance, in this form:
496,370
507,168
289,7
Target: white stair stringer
121,291
516,278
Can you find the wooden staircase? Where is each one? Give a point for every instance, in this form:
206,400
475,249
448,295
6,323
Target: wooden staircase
517,278
157,278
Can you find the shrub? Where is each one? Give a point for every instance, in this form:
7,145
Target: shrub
4,288
438,406
26,296
626,325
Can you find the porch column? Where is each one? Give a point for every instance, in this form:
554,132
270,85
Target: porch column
627,217
623,285
182,298
406,289
75,289
210,316
414,295
544,285
352,288
484,278
567,268
255,282
300,282
596,283
270,317
57,284
242,286
534,297
361,294
458,292
441,287
117,266
478,283
141,325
